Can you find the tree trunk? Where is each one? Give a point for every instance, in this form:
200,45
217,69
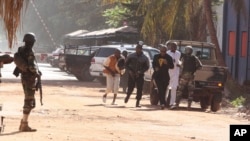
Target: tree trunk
212,31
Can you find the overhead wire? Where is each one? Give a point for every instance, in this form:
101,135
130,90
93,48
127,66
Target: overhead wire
43,23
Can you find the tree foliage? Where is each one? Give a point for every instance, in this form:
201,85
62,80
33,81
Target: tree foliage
115,17
10,13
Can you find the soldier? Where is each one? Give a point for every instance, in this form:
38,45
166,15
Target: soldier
190,63
26,65
136,64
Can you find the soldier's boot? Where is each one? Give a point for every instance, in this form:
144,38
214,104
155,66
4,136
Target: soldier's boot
178,97
177,102
24,127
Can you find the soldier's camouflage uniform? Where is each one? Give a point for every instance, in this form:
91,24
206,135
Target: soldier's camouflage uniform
190,64
28,78
26,64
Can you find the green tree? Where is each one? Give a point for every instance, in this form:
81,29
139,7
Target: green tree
10,14
115,16
212,31
173,19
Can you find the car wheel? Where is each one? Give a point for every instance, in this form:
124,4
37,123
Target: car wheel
216,102
79,77
86,74
204,102
146,87
102,80
154,96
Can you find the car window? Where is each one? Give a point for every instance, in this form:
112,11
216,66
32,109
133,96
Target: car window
202,53
58,51
105,52
153,53
86,51
70,51
146,52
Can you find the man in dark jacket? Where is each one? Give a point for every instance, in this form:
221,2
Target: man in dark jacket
162,62
136,64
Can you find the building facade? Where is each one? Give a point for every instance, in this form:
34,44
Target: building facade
236,42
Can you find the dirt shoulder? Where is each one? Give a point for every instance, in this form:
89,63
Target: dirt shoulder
73,111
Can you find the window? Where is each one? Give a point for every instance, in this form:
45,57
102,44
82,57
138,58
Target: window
203,53
244,44
153,53
232,38
105,52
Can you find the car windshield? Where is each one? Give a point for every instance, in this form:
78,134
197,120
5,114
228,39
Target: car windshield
148,52
58,51
105,52
153,53
202,53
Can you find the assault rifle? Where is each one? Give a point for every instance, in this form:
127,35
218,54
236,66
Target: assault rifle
16,71
39,86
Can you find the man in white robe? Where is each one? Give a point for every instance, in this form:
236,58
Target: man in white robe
173,73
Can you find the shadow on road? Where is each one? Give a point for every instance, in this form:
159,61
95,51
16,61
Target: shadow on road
11,133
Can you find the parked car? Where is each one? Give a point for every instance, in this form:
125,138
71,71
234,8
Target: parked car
96,68
54,57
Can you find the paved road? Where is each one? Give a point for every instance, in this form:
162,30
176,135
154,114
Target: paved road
49,73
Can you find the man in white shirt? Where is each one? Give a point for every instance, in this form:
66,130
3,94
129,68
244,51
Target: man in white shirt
173,73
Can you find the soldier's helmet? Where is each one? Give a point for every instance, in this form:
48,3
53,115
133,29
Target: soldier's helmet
140,43
188,50
29,37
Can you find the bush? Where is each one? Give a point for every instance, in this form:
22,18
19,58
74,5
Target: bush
239,101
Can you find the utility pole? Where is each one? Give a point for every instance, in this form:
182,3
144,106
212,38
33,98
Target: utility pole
43,23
